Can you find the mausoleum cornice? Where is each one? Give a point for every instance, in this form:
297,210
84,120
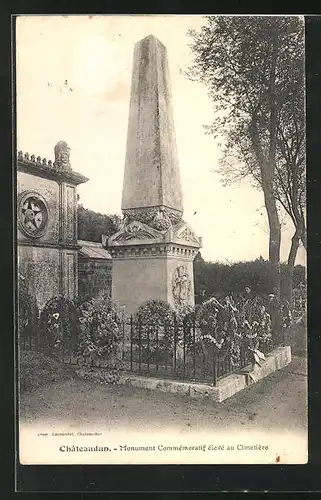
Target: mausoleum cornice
48,244
47,169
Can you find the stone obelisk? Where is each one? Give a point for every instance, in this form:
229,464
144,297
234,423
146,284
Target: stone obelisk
154,250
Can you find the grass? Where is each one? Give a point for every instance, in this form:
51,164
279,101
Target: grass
37,370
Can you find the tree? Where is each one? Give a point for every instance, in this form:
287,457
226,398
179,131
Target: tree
253,70
92,225
290,189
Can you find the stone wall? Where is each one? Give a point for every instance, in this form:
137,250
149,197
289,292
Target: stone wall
40,269
93,277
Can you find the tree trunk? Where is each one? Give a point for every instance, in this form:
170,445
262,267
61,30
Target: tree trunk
303,235
288,279
274,238
304,239
267,169
268,174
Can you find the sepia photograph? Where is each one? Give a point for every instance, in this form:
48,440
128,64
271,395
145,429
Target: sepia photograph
161,239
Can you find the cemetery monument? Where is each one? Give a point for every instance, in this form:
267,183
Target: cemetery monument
154,250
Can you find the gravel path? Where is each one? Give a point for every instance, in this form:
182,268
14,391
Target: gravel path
278,402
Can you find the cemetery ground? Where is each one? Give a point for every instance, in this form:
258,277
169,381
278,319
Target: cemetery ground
278,402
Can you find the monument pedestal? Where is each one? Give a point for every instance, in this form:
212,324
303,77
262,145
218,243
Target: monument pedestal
150,264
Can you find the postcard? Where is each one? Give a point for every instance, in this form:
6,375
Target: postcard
161,239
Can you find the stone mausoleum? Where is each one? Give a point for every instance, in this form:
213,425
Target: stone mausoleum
153,252
94,269
47,224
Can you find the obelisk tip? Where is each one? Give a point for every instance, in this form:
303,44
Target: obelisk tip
151,38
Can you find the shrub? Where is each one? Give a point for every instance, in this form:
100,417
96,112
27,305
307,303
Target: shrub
28,311
154,328
300,303
218,279
155,312
100,329
187,319
36,370
92,225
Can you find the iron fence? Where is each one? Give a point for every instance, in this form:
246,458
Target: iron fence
173,350
176,350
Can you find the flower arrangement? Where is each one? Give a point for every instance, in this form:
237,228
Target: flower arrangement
58,324
215,320
230,327
100,329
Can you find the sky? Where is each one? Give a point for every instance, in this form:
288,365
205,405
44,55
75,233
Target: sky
73,76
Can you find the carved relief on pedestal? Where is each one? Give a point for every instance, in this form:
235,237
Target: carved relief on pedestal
186,234
160,218
181,286
135,230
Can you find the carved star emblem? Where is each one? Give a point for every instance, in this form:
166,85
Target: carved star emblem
32,215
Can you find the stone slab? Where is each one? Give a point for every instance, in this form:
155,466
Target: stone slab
226,387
